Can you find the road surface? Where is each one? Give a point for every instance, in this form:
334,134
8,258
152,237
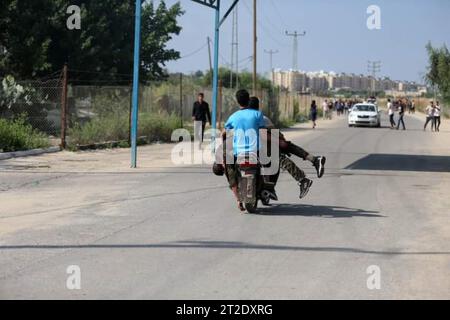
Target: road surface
165,232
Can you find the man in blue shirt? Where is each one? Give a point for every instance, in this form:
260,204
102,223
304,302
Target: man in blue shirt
245,124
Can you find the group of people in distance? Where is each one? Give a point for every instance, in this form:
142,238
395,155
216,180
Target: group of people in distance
433,112
400,106
341,106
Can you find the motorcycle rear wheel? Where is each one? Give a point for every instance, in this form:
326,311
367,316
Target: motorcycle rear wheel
251,207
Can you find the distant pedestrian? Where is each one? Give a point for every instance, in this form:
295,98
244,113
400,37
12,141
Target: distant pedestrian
200,115
437,116
325,109
391,112
413,107
401,114
330,110
314,113
346,107
430,116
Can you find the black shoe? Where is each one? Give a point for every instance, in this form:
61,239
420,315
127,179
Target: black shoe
319,164
305,184
270,195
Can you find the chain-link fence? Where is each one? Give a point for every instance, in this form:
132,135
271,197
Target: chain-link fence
98,115
30,112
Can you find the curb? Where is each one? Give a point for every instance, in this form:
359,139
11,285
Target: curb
28,153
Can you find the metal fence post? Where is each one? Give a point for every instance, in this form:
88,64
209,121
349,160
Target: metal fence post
181,99
219,105
64,108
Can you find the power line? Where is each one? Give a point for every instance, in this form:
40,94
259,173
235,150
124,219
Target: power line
194,52
295,36
263,27
271,53
373,67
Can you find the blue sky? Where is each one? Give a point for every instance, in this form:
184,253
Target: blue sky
337,35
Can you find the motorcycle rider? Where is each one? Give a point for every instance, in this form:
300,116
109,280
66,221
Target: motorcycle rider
244,125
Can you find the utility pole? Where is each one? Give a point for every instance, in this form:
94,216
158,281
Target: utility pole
255,47
295,35
237,47
271,53
209,53
234,48
373,67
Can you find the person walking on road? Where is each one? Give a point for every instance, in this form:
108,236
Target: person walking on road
437,116
200,114
430,110
401,113
325,109
413,107
314,113
391,113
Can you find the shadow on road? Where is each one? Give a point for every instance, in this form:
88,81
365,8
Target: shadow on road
402,162
316,211
226,245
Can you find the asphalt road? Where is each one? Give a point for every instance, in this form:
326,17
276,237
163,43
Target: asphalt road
174,233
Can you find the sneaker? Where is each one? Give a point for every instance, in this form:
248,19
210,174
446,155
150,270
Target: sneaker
270,194
305,184
319,164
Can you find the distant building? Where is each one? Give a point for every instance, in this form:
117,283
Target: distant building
320,81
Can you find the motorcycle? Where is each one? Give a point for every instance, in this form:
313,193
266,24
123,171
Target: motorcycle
252,184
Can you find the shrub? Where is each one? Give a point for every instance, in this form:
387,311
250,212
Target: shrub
154,127
157,127
98,130
16,135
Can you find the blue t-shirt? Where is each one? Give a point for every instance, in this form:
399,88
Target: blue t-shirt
246,124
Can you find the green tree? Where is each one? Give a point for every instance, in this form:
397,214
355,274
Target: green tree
438,74
35,41
245,79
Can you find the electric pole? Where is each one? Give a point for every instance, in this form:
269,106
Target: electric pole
210,59
295,35
255,48
234,68
373,67
271,53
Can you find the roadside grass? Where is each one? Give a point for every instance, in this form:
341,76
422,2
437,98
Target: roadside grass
17,135
152,128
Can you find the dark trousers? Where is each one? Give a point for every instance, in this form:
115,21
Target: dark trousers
197,129
296,151
429,118
391,119
400,121
436,123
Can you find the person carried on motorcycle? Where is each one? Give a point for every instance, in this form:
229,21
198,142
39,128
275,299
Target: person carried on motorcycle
287,148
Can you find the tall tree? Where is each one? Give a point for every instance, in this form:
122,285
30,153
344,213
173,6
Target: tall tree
36,41
439,69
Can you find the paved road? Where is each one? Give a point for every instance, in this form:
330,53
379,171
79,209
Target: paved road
174,233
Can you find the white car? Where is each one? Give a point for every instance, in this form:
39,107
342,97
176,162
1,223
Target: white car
364,114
